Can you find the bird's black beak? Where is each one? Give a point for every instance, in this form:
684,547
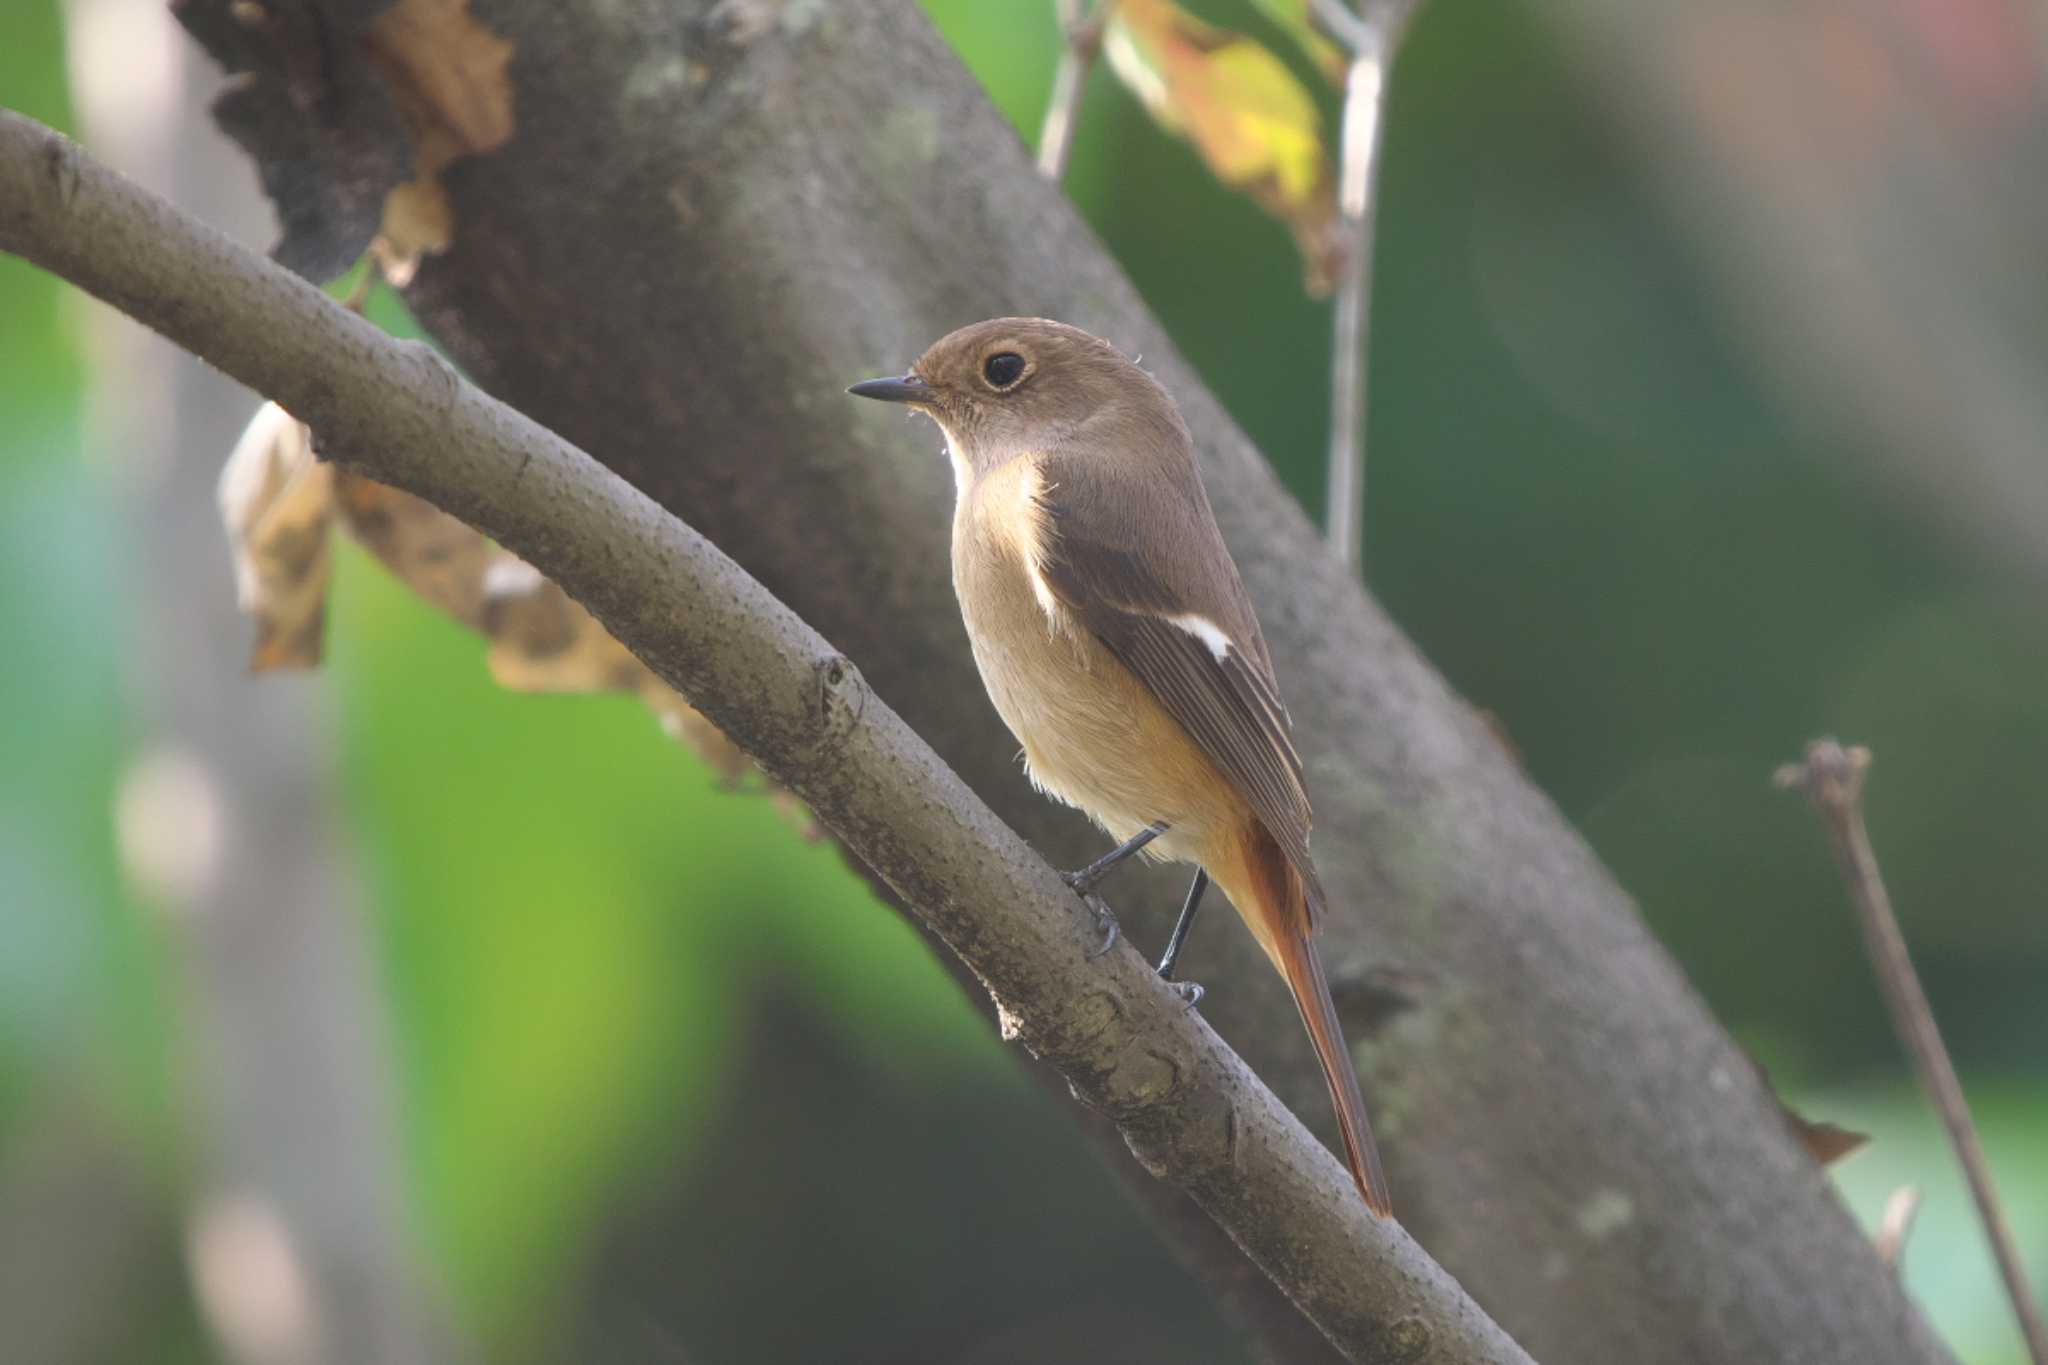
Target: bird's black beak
908,389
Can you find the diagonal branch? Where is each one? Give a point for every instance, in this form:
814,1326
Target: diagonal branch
1832,778
1188,1106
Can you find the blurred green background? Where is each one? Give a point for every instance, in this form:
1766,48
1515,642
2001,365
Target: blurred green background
609,1005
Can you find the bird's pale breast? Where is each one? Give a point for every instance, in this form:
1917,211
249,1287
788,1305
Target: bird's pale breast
1093,736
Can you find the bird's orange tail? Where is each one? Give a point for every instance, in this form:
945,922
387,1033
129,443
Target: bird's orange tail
1280,917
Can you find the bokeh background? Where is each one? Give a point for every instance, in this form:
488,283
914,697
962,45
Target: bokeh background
384,1008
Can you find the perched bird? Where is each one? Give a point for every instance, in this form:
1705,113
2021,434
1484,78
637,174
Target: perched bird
1118,644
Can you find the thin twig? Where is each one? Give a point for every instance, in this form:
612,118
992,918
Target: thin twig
1124,1041
1372,37
1081,38
1832,778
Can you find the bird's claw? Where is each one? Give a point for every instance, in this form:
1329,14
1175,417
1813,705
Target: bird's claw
1105,920
1190,992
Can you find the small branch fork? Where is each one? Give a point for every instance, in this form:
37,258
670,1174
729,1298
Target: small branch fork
1371,35
1832,778
1082,34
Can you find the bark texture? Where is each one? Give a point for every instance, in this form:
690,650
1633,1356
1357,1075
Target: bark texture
711,218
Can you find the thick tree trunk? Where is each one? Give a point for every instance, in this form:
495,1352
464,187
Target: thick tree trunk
711,218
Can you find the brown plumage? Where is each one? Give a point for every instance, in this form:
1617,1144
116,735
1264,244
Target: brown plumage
1117,641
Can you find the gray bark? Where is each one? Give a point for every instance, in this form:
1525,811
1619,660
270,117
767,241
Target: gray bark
712,217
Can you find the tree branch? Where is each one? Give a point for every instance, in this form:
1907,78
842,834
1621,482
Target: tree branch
1188,1106
1832,778
1372,37
1081,39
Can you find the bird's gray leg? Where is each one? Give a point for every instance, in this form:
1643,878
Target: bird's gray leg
1188,990
1084,881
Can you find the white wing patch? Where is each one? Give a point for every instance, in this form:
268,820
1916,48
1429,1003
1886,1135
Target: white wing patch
1205,630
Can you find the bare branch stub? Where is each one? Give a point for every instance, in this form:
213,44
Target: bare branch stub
1832,776
1372,36
1081,34
1897,1224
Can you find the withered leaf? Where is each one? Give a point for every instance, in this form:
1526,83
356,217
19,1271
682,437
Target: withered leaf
1255,125
432,553
1826,1143
449,75
541,639
351,112
276,502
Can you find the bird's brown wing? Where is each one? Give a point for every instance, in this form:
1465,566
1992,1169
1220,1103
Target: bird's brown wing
1147,571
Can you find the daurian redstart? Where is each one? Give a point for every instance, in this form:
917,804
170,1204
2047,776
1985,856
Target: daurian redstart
1118,643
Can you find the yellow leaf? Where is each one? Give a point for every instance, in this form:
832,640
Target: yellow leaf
1293,19
276,501
1255,125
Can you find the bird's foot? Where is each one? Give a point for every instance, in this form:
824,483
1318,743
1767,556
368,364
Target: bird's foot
1105,920
1190,992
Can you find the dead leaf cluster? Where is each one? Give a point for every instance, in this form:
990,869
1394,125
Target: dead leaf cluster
280,503
447,73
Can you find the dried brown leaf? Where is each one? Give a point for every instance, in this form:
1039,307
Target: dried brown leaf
542,640
450,73
276,502
450,78
418,222
1826,1143
438,557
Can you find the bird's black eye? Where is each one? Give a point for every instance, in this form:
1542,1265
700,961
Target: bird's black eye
1003,369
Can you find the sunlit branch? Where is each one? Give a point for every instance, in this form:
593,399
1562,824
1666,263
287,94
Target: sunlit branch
1081,41
1371,37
